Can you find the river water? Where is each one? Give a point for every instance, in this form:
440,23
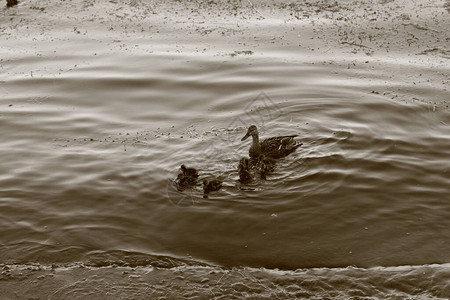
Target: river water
89,157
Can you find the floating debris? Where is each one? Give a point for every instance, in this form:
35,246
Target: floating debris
242,52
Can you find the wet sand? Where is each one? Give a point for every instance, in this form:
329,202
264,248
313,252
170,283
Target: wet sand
208,282
353,38
357,35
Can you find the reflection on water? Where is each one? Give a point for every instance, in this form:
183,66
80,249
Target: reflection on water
89,157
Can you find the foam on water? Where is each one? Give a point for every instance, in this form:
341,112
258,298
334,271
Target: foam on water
172,278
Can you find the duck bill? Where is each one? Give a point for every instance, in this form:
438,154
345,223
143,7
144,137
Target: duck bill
245,137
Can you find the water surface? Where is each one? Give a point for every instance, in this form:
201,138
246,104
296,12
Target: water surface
89,156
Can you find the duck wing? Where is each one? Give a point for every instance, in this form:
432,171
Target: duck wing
279,146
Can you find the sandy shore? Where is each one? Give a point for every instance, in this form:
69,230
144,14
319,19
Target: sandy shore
359,38
209,282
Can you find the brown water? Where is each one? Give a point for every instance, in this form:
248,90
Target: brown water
89,155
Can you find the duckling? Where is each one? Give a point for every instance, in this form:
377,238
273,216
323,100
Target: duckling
211,186
189,172
185,182
266,166
244,171
11,3
187,178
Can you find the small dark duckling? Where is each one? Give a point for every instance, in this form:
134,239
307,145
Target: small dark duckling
244,171
189,172
11,3
266,166
184,182
187,178
211,186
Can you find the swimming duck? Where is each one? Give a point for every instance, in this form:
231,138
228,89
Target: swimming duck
211,186
274,147
186,178
244,171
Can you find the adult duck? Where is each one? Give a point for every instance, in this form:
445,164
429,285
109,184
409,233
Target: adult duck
274,147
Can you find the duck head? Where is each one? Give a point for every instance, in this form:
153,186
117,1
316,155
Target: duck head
252,131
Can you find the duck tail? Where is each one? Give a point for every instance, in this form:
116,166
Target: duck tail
297,145
294,147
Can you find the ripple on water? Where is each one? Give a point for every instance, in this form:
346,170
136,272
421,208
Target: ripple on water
88,165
